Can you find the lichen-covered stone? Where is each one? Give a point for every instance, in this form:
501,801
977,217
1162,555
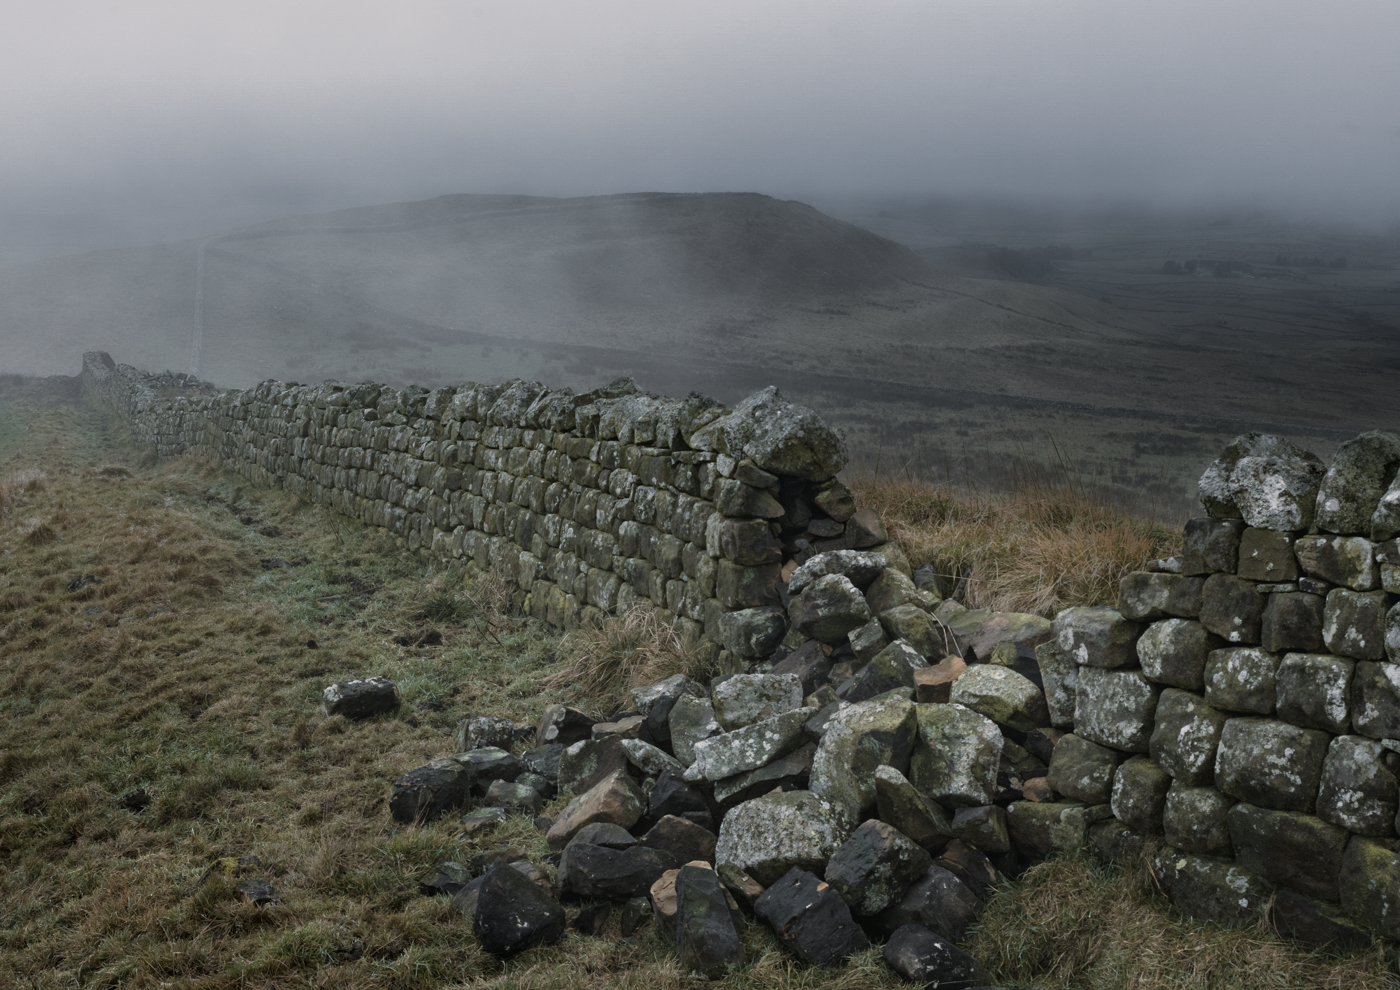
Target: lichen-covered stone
1041,828
1185,734
1359,790
956,756
1292,621
750,747
1097,636
1267,555
780,436
893,668
753,632
1144,596
1140,794
791,772
1362,470
772,834
649,759
1375,700
1242,680
1174,651
1060,675
875,866
1020,629
983,828
858,739
1193,819
867,641
1232,608
917,628
898,802
1385,521
1268,481
1353,623
828,609
1369,879
1288,848
588,761
691,720
862,567
1115,708
743,699
1082,770
1270,763
1314,690
1211,545
1002,695
1392,633
1348,561
361,698
893,588
1210,889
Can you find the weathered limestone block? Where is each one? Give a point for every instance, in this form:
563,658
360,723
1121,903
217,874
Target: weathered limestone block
791,772
861,567
828,609
1385,522
867,641
743,699
1041,828
1211,545
1082,770
1174,651
1362,470
753,633
1288,848
1314,690
939,901
780,436
916,627
423,794
1353,623
1144,596
956,757
1185,735
1060,675
1115,708
1097,636
1370,876
893,588
1242,680
1267,555
1194,820
361,698
1270,763
1018,629
858,739
775,833
1210,889
1359,790
1348,561
1232,608
1375,700
1292,621
1268,481
588,761
1140,794
1002,695
749,748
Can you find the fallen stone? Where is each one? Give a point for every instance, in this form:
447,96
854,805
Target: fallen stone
743,888
544,761
589,920
1083,770
1210,889
875,866
691,721
868,640
672,794
857,740
810,919
1113,842
605,834
682,839
1271,764
861,567
564,725
792,772
1185,736
955,760
1115,708
656,701
517,799
1292,621
361,698
913,625
972,867
648,759
864,530
481,821
900,804
484,732
749,748
744,699
1232,608
753,632
588,761
707,942
447,878
938,900
1316,923
663,901
1144,596
1242,680
1353,623
615,799
1313,691
1362,470
1174,652
1097,636
934,685
422,795
893,669
921,956
770,835
1140,794
1021,629
1002,695
1348,561
1193,819
587,870
829,609
983,827
808,663
512,914
1288,848
893,589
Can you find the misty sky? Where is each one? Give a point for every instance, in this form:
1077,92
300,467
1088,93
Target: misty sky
275,107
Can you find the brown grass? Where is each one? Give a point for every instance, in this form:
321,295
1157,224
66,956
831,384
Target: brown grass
1040,549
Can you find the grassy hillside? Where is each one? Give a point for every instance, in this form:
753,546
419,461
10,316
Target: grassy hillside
160,743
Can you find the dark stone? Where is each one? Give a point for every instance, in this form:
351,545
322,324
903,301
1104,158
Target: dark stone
635,913
1375,699
1144,596
706,939
810,919
447,878
938,900
682,839
587,762
1271,764
875,866
672,794
596,871
590,920
605,834
512,914
543,760
972,867
1287,848
921,956
744,888
1315,923
1114,842
361,698
423,794
1267,555
1232,609
1212,889
564,725
809,663
983,827
1211,545
1083,770
518,799
490,764
1292,621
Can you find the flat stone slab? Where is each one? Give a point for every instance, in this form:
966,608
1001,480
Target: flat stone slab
749,748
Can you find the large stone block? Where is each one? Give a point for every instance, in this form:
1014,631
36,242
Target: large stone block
829,609
749,748
1174,651
1292,621
1270,763
1115,708
737,586
1316,923
1194,820
893,668
1140,794
1267,555
1097,636
1353,623
875,866
1288,848
1002,695
1375,700
743,699
1268,481
1232,608
1370,877
1082,770
1362,470
898,802
1392,634
1210,889
1144,596
917,628
956,757
780,436
862,567
1359,790
1242,680
1348,561
857,740
1041,828
810,919
1314,690
1185,735
770,835
753,633
1210,545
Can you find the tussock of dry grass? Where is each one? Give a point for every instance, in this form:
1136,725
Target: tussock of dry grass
1040,549
606,659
